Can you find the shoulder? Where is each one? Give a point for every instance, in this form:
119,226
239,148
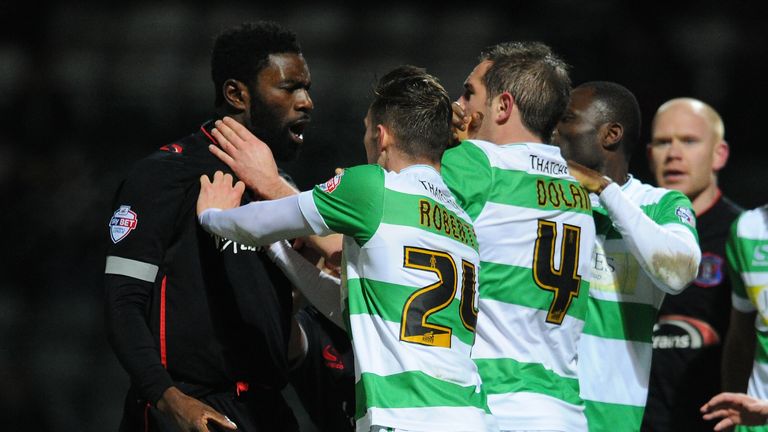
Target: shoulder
752,222
467,151
182,160
645,194
729,208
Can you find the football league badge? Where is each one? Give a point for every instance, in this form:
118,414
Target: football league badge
122,223
686,216
331,184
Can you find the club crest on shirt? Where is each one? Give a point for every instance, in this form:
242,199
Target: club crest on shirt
121,224
685,215
710,270
331,184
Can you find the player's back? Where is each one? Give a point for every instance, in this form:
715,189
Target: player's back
536,233
410,275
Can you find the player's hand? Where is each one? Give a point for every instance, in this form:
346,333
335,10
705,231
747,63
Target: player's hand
735,409
250,158
464,125
592,180
191,414
219,194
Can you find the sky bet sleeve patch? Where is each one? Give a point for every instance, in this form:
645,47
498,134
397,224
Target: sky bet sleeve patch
121,224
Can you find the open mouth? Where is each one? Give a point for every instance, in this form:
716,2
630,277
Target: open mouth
297,131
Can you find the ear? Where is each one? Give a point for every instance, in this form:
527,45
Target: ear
384,141
611,135
236,94
383,138
720,155
503,109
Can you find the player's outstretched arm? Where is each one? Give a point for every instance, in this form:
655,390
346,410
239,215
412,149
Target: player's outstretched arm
668,253
250,158
191,414
735,409
257,224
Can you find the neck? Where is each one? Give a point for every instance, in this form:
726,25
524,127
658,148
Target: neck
616,168
398,162
511,131
705,199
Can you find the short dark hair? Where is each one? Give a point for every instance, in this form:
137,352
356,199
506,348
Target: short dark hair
535,77
617,104
416,108
242,52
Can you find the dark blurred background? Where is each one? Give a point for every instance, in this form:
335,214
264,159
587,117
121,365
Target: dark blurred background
87,88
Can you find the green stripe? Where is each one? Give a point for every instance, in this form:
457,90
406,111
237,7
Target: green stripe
418,211
752,245
509,376
386,300
540,192
608,417
515,285
413,389
620,320
761,356
751,429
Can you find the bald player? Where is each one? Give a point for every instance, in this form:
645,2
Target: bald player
686,153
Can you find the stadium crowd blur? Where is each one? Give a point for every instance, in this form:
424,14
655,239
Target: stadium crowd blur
87,88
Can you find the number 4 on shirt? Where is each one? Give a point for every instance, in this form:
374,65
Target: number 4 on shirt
563,281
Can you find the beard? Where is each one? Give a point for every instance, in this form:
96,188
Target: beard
268,127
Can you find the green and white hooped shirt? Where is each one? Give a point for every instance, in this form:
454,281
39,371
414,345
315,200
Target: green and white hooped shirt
747,254
536,234
615,351
409,287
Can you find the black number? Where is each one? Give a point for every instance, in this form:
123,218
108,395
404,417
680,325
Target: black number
564,280
414,325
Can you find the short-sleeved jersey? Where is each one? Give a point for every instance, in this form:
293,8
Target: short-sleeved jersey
747,254
616,348
408,286
536,233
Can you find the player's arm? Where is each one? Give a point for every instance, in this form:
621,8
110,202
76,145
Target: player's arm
258,223
740,342
665,248
130,273
253,163
669,253
318,287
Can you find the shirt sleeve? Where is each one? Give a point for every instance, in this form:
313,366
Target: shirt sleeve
467,172
736,260
320,288
258,223
665,243
140,230
350,203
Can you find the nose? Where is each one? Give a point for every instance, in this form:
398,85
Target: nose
304,101
675,149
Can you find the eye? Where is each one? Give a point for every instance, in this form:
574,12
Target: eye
467,93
